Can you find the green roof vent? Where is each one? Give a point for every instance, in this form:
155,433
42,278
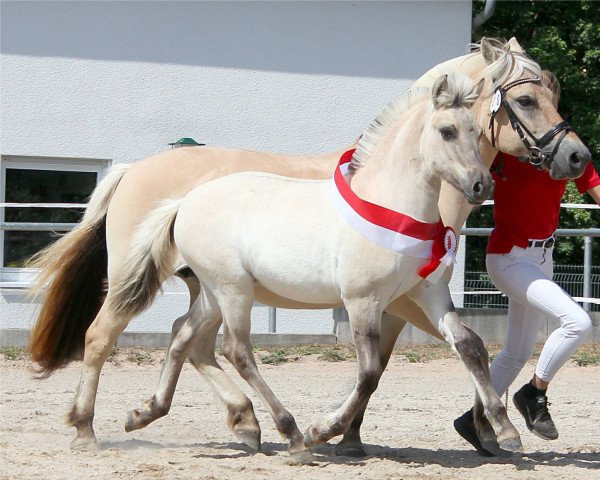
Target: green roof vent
186,142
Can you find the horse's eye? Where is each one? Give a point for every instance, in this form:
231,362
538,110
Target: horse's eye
525,101
448,133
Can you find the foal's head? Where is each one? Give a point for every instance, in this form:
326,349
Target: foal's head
450,139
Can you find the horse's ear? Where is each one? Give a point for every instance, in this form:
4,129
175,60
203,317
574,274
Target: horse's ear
513,46
490,54
440,88
550,81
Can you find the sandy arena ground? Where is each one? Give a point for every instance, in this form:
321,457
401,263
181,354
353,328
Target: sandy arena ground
408,429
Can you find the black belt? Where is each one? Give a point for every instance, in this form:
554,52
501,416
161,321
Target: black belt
548,243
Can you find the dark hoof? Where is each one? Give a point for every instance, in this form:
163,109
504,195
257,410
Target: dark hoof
511,445
302,457
496,450
248,437
133,421
84,444
355,451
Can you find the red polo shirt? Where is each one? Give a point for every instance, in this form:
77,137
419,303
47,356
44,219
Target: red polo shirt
527,202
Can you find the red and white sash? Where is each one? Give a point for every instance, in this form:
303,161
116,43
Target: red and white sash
393,230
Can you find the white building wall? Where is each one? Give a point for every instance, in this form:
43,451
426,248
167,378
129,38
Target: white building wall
119,80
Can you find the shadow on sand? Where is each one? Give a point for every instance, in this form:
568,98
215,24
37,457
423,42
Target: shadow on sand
448,458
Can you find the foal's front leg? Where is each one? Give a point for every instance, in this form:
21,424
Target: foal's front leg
351,444
437,304
365,320
236,304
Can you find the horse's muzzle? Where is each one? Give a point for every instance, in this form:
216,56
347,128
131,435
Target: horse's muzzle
570,160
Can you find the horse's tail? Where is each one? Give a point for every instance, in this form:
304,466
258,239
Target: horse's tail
72,274
149,262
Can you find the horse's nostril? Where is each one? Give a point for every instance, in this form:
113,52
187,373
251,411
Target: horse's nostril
575,158
477,188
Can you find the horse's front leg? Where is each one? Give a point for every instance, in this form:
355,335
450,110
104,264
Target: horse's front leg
365,320
351,444
437,304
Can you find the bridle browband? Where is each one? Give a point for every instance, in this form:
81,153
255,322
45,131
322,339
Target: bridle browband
535,155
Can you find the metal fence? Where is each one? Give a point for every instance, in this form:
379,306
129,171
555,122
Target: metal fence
569,277
578,280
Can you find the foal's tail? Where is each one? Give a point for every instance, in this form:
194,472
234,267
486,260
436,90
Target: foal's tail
72,274
150,262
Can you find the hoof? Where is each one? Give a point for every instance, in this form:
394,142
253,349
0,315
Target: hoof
135,420
347,450
302,457
249,437
312,440
86,444
511,445
494,448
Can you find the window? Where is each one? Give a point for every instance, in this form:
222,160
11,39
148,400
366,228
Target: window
43,192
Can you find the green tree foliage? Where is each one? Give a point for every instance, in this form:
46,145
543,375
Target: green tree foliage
563,37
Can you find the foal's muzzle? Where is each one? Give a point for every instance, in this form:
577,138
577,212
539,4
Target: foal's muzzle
481,189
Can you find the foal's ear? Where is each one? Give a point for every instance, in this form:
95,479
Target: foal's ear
439,92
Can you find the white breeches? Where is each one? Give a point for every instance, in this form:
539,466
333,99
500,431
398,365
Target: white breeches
525,277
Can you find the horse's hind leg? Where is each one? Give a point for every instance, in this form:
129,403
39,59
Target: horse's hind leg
236,304
435,301
351,444
100,339
365,319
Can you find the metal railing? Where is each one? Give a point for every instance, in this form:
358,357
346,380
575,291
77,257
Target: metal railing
589,284
483,294
578,281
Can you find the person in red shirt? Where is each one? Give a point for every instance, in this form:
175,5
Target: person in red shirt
519,262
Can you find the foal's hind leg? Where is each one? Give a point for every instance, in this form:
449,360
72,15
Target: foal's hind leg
198,329
351,444
435,301
236,304
100,339
365,319
239,412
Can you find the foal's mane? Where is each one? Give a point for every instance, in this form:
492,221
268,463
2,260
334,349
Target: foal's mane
460,92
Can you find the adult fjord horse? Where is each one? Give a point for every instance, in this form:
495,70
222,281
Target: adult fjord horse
384,194
75,316
246,427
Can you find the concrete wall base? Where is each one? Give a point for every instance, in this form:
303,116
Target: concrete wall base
489,324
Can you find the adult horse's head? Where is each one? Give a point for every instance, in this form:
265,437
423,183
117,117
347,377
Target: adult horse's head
518,107
450,141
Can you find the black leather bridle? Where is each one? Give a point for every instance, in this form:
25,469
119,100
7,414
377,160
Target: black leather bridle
535,155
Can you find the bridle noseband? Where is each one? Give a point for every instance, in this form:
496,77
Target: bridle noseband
535,155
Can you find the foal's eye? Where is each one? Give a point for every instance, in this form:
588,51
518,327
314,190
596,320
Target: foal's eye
448,133
525,101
